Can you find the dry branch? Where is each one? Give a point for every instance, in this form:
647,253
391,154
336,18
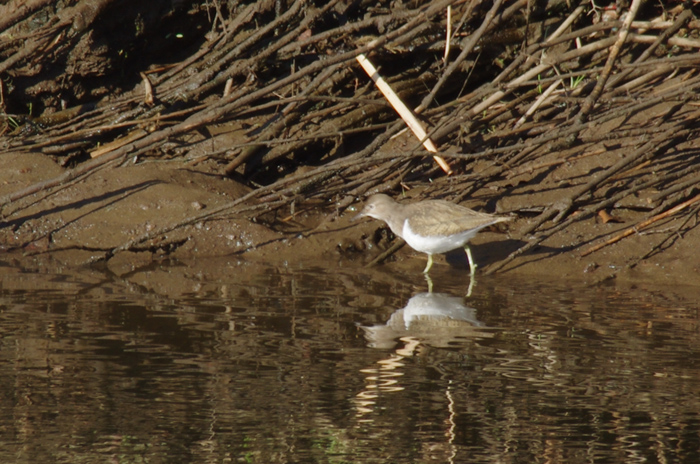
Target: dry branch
401,108
638,227
612,58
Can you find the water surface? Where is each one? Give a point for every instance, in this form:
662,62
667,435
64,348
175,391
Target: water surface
260,364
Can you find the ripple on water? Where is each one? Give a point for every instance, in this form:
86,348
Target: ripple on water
349,365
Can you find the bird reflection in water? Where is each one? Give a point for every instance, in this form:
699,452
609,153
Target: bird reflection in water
433,319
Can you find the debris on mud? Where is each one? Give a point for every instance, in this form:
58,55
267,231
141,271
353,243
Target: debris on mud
579,119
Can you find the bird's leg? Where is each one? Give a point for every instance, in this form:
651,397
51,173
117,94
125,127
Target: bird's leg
430,283
472,264
429,265
472,281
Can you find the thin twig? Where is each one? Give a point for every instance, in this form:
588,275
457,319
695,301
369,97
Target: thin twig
635,229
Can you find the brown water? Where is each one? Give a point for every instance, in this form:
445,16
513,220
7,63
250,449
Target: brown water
272,365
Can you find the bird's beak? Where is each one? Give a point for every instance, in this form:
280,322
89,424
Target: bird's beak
358,216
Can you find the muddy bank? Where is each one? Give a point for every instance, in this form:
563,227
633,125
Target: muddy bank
257,133
107,209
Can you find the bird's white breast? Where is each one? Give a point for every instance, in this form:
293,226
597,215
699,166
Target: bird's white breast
436,244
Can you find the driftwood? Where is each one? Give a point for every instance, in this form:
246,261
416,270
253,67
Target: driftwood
515,88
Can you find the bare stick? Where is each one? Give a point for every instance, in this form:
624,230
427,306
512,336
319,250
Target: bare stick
541,99
466,49
641,225
385,254
665,35
614,52
448,33
401,108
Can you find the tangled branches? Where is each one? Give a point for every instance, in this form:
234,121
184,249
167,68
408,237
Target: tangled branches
517,100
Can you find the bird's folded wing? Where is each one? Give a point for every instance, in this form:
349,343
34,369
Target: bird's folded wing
449,219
